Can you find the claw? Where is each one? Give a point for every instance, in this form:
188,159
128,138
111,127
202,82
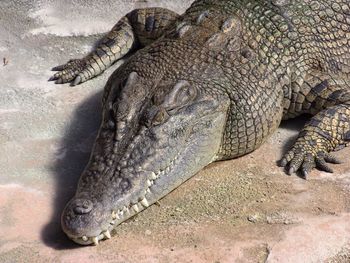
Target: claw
305,174
295,164
76,81
291,171
70,72
59,68
283,162
332,159
52,78
322,165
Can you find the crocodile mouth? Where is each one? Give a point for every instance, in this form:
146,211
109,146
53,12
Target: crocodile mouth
118,216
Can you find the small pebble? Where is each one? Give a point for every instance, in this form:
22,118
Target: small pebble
253,218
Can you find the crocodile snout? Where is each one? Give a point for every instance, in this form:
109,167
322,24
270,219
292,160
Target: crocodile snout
77,218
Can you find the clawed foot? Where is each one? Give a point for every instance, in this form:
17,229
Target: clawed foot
72,71
304,157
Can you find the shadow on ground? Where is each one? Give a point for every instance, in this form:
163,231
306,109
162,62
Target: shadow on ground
296,125
75,147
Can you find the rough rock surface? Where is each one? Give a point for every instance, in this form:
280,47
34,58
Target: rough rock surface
243,210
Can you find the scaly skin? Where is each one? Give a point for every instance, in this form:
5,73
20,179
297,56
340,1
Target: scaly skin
209,85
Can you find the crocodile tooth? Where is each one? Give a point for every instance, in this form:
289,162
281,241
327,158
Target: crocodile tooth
153,176
112,223
126,210
149,183
148,191
114,215
136,208
144,202
107,234
95,240
85,238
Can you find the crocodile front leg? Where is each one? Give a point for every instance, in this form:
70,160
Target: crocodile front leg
327,131
137,29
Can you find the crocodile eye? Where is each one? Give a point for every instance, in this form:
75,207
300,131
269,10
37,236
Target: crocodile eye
160,117
181,95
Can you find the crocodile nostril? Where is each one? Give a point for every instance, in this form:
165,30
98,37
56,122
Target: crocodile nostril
82,206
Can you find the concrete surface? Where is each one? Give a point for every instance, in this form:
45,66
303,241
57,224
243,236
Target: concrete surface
244,210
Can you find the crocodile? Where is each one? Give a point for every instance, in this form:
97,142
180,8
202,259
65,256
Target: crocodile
208,85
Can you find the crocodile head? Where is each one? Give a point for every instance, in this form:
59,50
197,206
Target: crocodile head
154,136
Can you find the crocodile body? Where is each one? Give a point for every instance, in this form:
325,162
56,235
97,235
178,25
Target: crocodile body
209,85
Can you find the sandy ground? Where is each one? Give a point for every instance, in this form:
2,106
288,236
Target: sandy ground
244,210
